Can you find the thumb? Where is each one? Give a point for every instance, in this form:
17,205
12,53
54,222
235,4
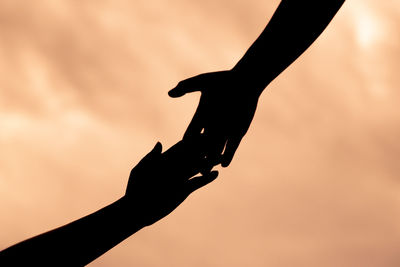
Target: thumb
146,160
153,153
196,83
200,181
157,149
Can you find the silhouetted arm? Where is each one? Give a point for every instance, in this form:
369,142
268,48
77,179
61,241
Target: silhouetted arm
294,26
157,185
77,243
229,98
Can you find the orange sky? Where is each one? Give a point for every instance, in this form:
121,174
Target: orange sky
83,96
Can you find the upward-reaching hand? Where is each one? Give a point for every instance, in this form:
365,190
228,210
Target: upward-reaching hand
162,181
226,109
157,185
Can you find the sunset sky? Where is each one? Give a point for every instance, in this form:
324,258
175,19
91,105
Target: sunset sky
315,182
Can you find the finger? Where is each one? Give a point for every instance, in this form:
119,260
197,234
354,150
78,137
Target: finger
196,83
200,181
156,151
196,146
187,148
215,143
151,156
195,125
186,158
230,149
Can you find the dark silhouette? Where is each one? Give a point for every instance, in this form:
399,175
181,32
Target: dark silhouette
156,186
229,98
161,181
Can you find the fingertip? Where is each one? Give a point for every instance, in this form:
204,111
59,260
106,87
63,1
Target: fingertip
157,148
230,150
214,174
171,93
175,93
225,162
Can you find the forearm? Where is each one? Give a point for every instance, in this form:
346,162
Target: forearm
294,26
77,243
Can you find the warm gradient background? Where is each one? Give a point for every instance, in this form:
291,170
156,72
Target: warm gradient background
316,181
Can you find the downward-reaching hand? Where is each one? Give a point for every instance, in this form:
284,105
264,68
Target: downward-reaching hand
224,113
229,98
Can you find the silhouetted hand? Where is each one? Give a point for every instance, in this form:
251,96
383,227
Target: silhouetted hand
157,185
162,181
227,106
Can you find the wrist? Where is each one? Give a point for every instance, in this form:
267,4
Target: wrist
250,80
128,216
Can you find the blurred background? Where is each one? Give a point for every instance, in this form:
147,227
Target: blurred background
315,182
